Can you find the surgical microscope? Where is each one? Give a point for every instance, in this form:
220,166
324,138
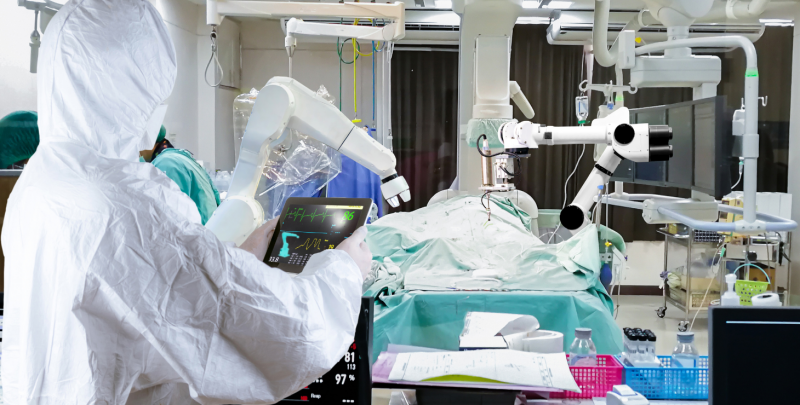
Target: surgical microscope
636,142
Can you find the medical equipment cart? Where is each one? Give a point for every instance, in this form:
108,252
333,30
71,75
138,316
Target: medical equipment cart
690,262
688,257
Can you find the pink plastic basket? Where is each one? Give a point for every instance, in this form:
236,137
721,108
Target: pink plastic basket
594,381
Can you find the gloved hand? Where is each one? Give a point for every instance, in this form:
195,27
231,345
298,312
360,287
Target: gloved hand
258,241
357,248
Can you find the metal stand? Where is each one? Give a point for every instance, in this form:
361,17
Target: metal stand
687,299
700,252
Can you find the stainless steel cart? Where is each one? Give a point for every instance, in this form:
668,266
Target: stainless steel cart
687,258
690,257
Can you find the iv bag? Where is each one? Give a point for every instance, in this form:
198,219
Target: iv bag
582,108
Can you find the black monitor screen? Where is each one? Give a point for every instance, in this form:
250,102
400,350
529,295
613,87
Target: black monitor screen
702,147
705,130
751,355
312,225
654,172
680,165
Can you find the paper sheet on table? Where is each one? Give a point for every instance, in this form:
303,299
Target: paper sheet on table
501,366
393,348
484,324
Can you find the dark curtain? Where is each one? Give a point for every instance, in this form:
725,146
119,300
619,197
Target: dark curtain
424,118
548,76
425,121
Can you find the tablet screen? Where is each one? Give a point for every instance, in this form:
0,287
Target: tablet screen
311,225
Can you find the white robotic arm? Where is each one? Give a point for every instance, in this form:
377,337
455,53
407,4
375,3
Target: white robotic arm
285,103
636,142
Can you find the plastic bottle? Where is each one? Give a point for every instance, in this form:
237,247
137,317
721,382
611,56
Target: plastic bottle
639,341
222,181
685,355
582,352
651,347
729,298
626,336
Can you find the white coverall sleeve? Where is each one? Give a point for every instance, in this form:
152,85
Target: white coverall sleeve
234,329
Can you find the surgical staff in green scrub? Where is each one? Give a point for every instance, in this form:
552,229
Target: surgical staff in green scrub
19,138
180,166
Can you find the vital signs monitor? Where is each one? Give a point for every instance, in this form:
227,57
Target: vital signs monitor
311,225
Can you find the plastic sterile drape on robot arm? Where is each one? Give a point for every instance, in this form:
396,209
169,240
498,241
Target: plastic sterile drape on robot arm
285,103
324,122
273,108
299,166
239,215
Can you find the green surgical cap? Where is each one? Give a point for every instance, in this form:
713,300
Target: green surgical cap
162,134
19,137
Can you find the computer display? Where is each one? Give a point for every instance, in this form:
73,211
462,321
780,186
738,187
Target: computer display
312,225
702,143
705,144
751,355
683,154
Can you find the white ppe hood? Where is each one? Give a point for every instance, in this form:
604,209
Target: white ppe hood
114,291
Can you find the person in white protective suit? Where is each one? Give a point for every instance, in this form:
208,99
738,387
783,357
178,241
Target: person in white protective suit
115,293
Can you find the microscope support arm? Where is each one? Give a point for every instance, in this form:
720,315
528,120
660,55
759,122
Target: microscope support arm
636,142
573,217
286,104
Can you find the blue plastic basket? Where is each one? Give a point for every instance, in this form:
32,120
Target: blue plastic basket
667,382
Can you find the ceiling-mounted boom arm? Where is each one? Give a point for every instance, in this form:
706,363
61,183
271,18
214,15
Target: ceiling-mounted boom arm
284,104
394,12
297,27
392,15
